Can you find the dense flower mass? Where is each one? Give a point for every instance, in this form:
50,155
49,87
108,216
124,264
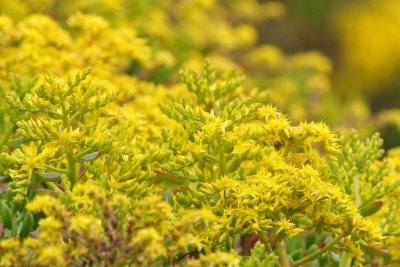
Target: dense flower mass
106,159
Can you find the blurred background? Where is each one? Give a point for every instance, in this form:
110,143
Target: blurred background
362,40
333,61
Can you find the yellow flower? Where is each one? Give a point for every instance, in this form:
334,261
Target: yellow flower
45,203
51,256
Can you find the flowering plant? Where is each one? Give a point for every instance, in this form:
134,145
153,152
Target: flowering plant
105,166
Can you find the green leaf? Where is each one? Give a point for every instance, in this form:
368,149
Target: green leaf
90,157
297,242
311,240
371,208
209,158
312,248
50,176
6,216
377,251
233,164
169,197
15,143
27,225
14,228
82,171
335,257
297,254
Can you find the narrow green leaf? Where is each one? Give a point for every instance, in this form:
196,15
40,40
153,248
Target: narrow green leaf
377,251
82,171
17,142
90,156
209,158
50,176
27,225
312,248
14,228
6,216
335,257
169,197
233,164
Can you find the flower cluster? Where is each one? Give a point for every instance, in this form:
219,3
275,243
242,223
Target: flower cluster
98,188
106,160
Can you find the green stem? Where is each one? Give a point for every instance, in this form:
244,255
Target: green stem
54,169
72,169
54,113
345,260
65,117
316,253
56,190
72,118
265,241
221,158
281,251
357,198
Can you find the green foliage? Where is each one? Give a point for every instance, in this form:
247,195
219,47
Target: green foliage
259,258
362,172
259,173
114,231
57,111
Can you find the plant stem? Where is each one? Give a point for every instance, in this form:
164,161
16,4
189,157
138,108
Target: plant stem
59,193
54,169
54,113
72,170
357,198
265,241
221,158
345,260
65,117
316,253
281,251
